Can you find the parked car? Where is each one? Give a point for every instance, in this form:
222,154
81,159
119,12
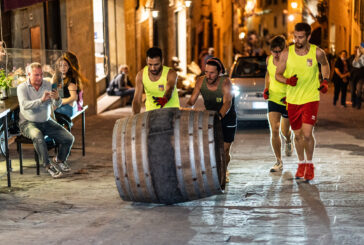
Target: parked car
247,76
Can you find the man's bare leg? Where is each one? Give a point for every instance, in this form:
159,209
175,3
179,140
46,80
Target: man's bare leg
286,132
227,147
274,123
309,139
307,131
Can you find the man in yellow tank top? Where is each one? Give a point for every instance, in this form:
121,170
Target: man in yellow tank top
158,82
298,68
275,93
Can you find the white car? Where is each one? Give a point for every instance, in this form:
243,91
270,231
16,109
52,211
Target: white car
247,76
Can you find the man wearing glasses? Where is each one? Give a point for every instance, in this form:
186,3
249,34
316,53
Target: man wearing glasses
298,68
275,93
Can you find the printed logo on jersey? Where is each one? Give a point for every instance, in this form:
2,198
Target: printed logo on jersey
218,99
161,87
309,62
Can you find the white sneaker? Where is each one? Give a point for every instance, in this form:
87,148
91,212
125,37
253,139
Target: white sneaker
53,171
278,166
62,165
288,148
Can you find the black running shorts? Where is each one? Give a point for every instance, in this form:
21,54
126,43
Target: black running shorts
229,124
272,106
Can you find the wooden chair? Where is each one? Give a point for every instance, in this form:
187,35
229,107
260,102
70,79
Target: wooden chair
20,139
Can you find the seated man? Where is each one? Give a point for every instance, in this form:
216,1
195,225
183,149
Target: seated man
121,85
36,98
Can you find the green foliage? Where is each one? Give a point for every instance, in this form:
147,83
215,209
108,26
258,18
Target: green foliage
5,81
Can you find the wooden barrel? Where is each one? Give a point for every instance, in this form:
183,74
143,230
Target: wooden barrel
168,156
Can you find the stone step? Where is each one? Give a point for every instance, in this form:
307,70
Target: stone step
106,102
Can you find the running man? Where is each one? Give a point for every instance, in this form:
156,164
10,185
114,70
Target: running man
299,64
275,93
216,92
158,82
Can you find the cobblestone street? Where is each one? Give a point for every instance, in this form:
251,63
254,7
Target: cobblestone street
257,207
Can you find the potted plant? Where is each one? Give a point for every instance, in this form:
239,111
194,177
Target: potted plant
5,83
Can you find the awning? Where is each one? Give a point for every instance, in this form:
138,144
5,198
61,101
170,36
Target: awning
13,4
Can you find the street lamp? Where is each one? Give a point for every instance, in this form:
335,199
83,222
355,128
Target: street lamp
294,5
155,14
152,10
188,3
241,35
291,17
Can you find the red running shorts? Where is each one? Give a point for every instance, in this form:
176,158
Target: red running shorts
305,113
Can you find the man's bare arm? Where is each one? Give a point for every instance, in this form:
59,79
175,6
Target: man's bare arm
138,95
266,79
171,83
196,92
281,67
325,67
227,97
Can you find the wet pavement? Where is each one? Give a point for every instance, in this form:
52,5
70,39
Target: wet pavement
257,207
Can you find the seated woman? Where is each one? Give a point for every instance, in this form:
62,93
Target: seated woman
68,77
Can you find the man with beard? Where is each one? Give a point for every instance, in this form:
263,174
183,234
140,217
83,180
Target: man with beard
158,82
298,67
216,92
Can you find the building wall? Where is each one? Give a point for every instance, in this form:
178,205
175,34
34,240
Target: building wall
222,30
22,21
355,27
137,33
130,36
341,20
117,40
80,40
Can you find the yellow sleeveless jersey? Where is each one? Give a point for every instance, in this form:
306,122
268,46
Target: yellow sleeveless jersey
277,90
307,71
157,89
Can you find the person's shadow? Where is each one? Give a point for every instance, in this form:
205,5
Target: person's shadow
284,190
317,222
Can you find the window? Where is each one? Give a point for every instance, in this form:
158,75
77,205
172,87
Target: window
99,38
275,21
284,19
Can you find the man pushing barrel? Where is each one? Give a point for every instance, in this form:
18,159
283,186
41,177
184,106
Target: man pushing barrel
158,82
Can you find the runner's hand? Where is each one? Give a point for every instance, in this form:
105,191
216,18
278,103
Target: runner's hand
292,80
162,101
266,94
283,100
324,86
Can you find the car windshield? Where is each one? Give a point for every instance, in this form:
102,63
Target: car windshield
249,67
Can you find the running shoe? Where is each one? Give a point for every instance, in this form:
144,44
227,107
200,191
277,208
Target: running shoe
309,171
278,166
300,170
288,148
227,179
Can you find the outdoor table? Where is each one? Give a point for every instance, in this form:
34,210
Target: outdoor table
7,106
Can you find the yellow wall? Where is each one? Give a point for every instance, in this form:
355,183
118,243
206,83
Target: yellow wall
80,40
341,20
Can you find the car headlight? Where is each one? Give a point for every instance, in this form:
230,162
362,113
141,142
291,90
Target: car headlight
236,90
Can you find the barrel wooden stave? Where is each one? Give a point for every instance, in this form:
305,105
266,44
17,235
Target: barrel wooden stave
168,156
